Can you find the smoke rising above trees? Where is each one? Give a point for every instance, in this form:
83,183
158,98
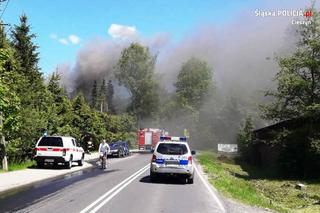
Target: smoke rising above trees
241,53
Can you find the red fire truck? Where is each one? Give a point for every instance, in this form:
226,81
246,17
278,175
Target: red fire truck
148,138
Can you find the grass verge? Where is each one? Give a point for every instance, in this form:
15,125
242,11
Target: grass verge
258,187
20,166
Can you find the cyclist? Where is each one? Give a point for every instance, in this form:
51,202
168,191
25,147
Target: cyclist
104,149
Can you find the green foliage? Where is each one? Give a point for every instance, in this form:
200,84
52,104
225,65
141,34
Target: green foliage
315,146
82,120
110,93
298,97
4,42
245,138
260,186
230,185
298,92
32,91
55,89
194,82
186,108
29,108
26,50
9,101
135,70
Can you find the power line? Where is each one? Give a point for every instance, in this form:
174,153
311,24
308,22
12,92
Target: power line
5,7
10,28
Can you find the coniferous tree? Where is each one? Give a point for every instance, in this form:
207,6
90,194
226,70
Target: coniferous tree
103,97
110,93
33,91
26,50
94,95
55,88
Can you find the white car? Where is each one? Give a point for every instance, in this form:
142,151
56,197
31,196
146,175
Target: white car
172,156
58,149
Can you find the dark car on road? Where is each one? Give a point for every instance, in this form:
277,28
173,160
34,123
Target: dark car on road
125,145
119,149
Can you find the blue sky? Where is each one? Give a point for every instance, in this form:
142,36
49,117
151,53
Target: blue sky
64,26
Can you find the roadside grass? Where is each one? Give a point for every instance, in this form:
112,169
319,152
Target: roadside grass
257,187
20,166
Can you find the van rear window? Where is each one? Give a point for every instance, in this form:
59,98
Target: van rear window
51,141
172,149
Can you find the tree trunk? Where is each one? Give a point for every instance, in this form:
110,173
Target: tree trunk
4,154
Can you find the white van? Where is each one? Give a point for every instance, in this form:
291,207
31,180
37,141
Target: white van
58,149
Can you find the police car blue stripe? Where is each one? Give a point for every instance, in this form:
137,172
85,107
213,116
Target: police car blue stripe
160,161
183,162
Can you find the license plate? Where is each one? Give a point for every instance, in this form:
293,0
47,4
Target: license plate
172,162
49,160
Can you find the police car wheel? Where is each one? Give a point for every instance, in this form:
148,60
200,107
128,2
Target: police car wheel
153,177
190,180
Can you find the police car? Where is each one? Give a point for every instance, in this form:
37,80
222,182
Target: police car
172,156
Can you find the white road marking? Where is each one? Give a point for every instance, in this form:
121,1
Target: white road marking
118,190
210,190
121,185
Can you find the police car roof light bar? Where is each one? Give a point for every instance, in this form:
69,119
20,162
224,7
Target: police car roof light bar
169,138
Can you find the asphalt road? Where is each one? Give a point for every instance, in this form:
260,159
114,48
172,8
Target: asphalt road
123,187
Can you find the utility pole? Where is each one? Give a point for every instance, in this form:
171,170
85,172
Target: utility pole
101,106
3,145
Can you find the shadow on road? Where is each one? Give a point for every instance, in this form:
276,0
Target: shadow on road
164,180
22,197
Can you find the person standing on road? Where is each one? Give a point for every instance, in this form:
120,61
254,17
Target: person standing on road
104,149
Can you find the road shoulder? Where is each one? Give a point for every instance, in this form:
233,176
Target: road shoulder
10,181
229,204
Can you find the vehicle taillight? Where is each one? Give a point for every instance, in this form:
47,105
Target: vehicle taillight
41,149
64,151
190,159
154,157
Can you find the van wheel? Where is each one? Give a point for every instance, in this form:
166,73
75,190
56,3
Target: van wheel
190,180
69,163
80,162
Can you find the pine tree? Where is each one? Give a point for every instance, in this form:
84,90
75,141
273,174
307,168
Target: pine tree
94,95
103,97
26,50
33,91
110,93
55,88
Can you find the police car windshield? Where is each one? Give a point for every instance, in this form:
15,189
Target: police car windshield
172,149
51,141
